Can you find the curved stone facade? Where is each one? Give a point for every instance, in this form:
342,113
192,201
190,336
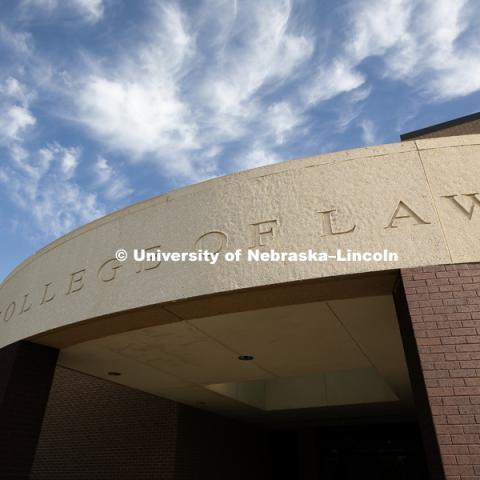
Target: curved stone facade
417,199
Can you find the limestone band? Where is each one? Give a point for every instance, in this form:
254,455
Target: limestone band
419,199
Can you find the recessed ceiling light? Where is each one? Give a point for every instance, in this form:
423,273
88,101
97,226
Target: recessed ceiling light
114,374
246,357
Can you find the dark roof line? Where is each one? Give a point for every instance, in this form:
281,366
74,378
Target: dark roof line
440,126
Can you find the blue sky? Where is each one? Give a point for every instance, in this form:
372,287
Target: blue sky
104,103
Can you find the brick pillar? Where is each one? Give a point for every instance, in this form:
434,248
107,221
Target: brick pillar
444,308
26,372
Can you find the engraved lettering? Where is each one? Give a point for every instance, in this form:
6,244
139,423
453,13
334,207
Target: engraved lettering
404,211
147,265
214,241
475,201
9,312
76,282
24,308
261,230
328,224
108,271
46,298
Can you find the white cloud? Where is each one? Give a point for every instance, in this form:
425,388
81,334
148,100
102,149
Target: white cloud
114,185
374,27
282,119
93,9
257,157
331,80
13,89
90,10
103,171
258,50
452,66
42,184
40,181
69,164
67,158
136,106
368,132
14,120
19,42
138,116
15,115
177,97
200,80
377,25
421,43
351,107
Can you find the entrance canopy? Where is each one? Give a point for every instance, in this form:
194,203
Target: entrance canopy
328,323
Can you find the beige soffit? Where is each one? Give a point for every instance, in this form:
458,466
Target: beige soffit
321,354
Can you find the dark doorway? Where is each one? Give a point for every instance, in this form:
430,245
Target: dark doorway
373,452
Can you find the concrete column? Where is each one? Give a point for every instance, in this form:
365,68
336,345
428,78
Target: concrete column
26,372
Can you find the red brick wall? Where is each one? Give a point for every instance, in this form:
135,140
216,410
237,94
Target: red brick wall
98,429
94,429
444,305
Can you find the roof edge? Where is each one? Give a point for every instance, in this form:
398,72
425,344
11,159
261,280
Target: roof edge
439,126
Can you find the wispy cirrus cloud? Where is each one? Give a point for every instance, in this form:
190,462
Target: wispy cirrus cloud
192,90
18,42
237,74
89,10
178,95
432,42
113,184
368,132
135,104
16,117
40,181
42,184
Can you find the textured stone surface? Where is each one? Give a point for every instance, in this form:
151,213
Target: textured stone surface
277,206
